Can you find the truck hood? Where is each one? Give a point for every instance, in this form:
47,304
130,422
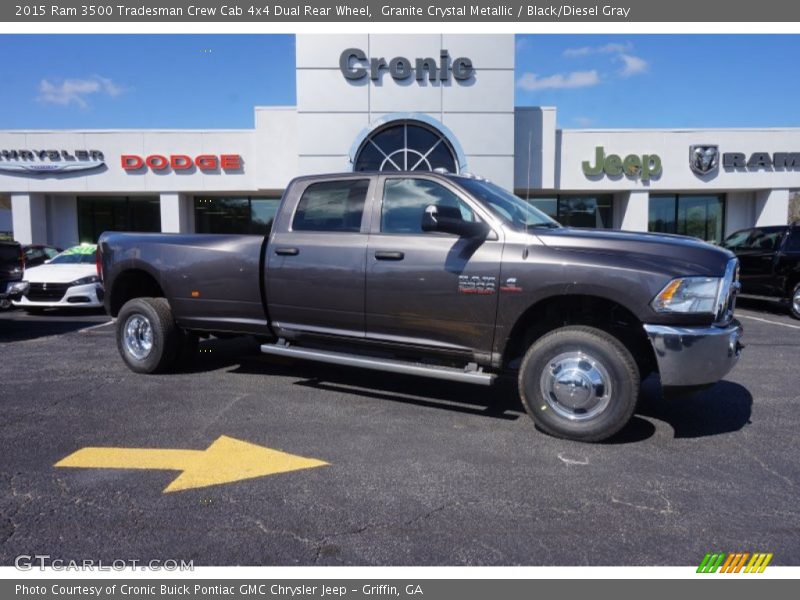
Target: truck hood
673,254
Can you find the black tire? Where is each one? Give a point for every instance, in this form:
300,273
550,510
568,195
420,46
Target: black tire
794,301
607,407
5,304
160,354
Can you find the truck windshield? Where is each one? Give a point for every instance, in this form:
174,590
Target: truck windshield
513,211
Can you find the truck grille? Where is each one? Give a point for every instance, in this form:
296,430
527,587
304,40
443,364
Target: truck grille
46,292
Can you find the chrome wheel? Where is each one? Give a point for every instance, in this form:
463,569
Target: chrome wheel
576,386
138,336
796,301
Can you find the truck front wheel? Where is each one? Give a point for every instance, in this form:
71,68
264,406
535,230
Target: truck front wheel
579,383
147,338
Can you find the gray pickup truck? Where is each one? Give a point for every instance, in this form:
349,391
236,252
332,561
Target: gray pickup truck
439,275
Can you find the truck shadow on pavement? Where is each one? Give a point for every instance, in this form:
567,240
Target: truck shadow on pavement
722,408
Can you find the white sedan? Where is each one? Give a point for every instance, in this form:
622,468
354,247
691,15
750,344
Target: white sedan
68,280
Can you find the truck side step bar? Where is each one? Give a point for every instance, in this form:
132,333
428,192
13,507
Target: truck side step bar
380,364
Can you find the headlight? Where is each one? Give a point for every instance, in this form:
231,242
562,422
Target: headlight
18,287
85,280
688,295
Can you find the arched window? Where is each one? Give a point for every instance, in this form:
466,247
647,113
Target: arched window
406,145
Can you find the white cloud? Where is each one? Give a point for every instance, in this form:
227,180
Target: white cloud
605,49
76,91
632,65
583,121
575,79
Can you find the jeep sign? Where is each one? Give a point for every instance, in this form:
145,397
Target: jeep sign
634,166
354,65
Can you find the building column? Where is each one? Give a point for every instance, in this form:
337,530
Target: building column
631,210
177,214
772,207
62,221
29,218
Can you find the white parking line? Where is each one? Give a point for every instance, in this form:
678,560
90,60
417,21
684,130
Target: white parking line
738,314
97,326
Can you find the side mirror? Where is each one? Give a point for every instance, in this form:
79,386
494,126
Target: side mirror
430,218
433,220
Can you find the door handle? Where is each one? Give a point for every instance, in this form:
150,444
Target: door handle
287,251
389,255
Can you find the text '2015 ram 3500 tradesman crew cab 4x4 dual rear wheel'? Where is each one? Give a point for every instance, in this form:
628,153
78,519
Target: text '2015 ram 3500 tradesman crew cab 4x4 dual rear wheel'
444,276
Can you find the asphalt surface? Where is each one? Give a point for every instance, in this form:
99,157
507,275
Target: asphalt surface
420,472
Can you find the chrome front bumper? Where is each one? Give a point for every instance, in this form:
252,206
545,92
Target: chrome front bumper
689,356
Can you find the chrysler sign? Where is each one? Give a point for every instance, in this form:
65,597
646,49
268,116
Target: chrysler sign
49,161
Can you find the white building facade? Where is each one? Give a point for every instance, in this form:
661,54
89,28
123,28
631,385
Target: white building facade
394,102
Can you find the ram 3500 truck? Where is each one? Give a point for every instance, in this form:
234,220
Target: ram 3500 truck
439,275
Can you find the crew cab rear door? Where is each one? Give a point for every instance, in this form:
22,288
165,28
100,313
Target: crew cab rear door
316,258
429,289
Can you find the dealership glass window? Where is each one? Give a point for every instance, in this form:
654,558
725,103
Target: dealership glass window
577,211
695,215
331,206
244,214
97,214
406,146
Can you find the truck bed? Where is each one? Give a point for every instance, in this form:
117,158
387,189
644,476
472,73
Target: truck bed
213,280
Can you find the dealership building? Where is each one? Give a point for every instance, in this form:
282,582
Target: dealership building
394,102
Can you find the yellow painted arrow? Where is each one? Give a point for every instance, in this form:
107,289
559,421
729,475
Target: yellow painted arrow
224,461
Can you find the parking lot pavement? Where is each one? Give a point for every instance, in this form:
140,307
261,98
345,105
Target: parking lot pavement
418,471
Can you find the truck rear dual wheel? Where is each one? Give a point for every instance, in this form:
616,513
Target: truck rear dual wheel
148,339
579,383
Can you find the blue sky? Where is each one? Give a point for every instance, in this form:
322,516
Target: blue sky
662,80
212,81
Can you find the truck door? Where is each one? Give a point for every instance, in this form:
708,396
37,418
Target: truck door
316,259
429,288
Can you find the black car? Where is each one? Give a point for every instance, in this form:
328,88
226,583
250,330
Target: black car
38,254
769,259
12,264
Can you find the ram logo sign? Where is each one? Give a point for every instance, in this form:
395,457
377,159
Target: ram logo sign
703,159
